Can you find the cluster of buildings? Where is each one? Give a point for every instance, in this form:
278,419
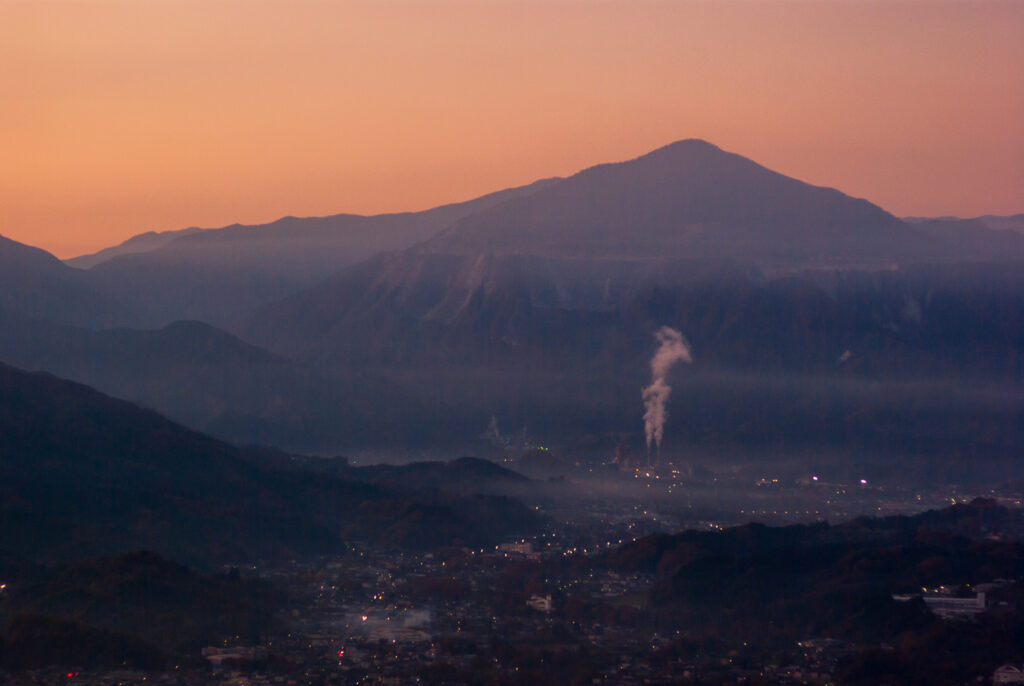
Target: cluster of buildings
958,602
497,615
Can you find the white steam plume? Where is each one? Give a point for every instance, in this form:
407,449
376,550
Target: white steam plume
672,348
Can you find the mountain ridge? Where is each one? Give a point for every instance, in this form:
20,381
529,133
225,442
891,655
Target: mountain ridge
687,199
35,284
220,275
142,242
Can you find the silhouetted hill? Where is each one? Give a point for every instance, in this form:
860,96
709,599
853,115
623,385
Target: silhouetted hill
210,380
84,474
959,524
153,599
462,475
35,641
17,255
764,584
34,283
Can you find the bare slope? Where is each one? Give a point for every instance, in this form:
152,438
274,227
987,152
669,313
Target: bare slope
218,276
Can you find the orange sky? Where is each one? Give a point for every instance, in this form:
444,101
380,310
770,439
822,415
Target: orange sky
118,117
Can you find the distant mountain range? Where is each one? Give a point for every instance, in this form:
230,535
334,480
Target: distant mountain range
143,242
537,304
205,378
686,201
994,222
415,311
36,284
219,275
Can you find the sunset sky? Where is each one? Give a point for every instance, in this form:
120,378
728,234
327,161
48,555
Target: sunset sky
118,117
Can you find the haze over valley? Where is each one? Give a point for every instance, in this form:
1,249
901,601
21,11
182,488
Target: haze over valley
815,319
511,344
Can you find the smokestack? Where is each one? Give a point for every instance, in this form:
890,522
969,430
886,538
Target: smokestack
672,348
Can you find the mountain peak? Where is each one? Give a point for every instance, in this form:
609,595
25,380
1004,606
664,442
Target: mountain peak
15,255
679,154
687,145
685,164
689,199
